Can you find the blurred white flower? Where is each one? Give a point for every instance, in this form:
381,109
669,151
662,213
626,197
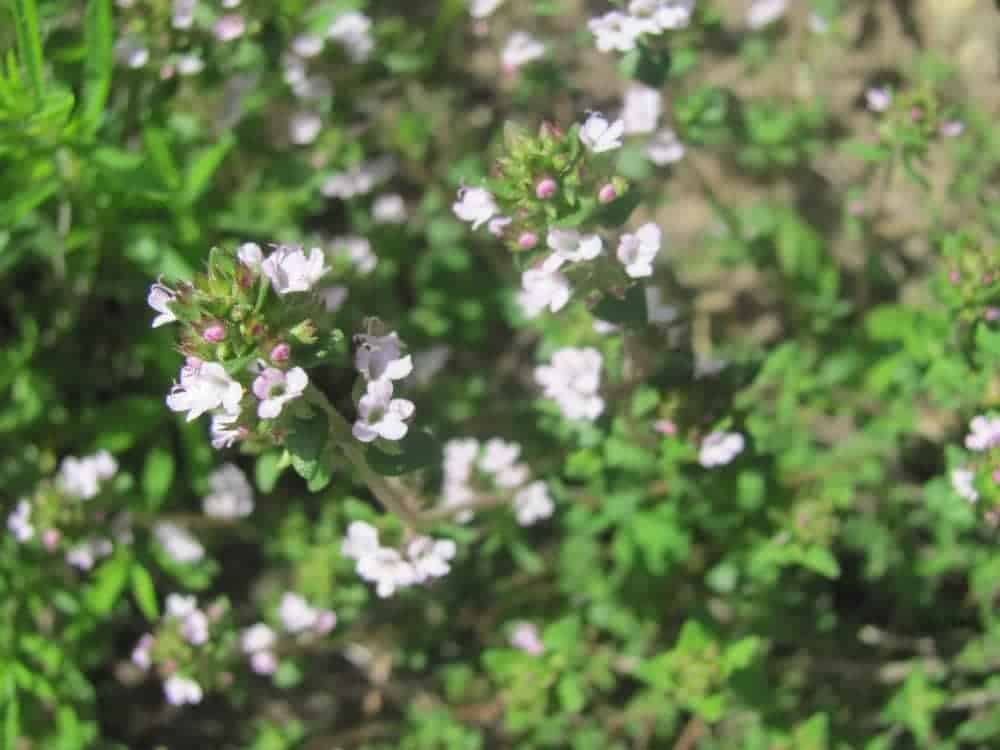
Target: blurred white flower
878,98
333,297
85,554
380,415
352,31
231,495
614,32
568,245
298,615
250,255
159,299
357,250
132,52
984,433
572,380
361,540
430,558
525,637
275,388
541,290
475,205
19,523
657,311
181,691
765,12
521,48
483,8
963,481
81,477
230,27
389,209
641,110
637,251
664,148
203,388
290,270
429,362
141,654
533,503
224,431
307,45
599,135
719,448
190,65
359,180
182,14
304,127
178,543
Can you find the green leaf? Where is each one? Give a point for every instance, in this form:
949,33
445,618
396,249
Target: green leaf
157,475
571,695
307,444
268,469
12,716
29,43
418,449
616,213
163,161
629,311
203,168
110,580
145,593
822,561
98,35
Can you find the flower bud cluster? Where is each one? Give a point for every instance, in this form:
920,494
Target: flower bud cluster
189,649
422,559
912,118
247,326
972,286
474,471
979,475
62,513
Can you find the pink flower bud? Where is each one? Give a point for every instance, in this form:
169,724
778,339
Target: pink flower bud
996,476
281,352
916,114
214,333
546,188
954,277
527,240
51,538
665,427
987,278
607,193
992,314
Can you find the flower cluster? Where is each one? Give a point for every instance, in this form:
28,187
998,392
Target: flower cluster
618,31
641,108
390,569
188,649
244,325
473,471
720,448
980,473
62,512
178,543
298,619
231,495
573,381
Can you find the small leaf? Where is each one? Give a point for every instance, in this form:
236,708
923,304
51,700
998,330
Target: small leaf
616,213
307,444
29,43
99,63
203,168
268,469
629,311
109,581
418,449
822,561
157,475
571,695
145,593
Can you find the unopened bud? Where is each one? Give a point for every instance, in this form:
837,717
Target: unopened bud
214,333
546,188
281,352
527,240
607,193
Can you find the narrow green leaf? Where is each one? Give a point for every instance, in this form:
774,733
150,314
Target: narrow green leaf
145,593
203,168
157,475
109,581
629,311
158,151
29,43
98,35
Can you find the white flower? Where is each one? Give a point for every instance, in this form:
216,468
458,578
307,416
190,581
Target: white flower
963,481
878,98
430,557
203,388
497,225
381,415
259,637
569,246
532,503
304,127
765,12
381,357
359,180
483,8
290,270
637,251
141,656
352,30
389,209
132,52
429,362
190,65
85,554
719,448
19,524
664,148
333,297
263,662
250,255
599,135
230,27
275,388
388,570
573,379
81,477
182,691
984,433
521,48
295,613
361,541
194,628
159,299
357,250
706,366
224,430
543,290
525,638
642,109
475,205
178,543
614,31
498,455
231,496
658,16
307,45
182,13
179,606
